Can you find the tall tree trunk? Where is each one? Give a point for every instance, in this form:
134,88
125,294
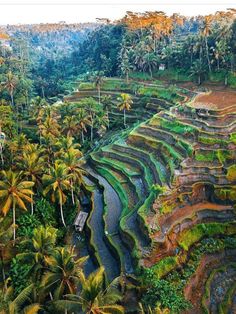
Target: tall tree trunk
62,216
32,205
99,95
43,95
218,64
82,136
199,79
207,52
124,119
108,121
3,273
91,132
1,154
14,221
12,100
226,79
72,192
150,70
127,77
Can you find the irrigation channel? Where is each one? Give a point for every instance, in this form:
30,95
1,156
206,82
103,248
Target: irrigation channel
101,227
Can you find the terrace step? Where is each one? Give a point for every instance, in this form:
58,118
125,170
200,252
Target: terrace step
131,225
111,219
148,142
167,137
153,169
98,238
183,217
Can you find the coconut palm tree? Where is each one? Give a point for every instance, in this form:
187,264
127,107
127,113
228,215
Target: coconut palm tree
206,30
150,61
101,123
93,299
39,248
125,103
11,305
64,144
98,80
83,121
92,108
156,310
198,70
33,166
70,127
10,85
107,101
14,192
70,159
57,181
64,272
126,67
49,127
6,246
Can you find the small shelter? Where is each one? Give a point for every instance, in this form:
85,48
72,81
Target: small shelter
80,221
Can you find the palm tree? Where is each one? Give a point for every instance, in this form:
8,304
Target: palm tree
64,272
106,101
39,248
92,108
93,299
10,85
70,159
83,122
98,83
57,182
156,310
6,245
64,144
198,70
11,305
33,166
17,146
14,191
150,61
49,127
206,30
101,123
70,126
125,103
126,67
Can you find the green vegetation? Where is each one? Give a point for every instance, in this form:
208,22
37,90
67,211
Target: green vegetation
165,266
189,237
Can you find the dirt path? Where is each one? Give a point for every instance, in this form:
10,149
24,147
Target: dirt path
215,100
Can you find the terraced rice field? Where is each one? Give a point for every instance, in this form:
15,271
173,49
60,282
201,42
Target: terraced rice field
163,189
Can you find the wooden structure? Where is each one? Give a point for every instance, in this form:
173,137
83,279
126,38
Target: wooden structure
80,221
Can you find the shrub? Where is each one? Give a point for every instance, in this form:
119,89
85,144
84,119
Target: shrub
189,237
231,173
20,275
165,266
165,293
45,212
27,223
233,137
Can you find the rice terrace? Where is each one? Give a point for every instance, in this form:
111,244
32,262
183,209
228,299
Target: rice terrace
118,165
